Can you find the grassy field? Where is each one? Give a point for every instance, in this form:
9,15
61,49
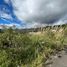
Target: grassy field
31,49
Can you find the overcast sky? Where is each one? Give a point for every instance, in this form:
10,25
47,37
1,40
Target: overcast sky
33,13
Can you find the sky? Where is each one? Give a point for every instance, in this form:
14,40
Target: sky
33,13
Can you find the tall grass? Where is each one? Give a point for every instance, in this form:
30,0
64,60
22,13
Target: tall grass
30,50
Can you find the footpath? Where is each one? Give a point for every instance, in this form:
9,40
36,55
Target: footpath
59,60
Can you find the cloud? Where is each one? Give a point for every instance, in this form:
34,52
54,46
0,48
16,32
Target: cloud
61,21
40,11
4,15
7,1
11,25
5,10
32,25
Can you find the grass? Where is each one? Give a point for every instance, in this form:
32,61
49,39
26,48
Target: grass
30,49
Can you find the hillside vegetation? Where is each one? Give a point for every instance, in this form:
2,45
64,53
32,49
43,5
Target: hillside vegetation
31,49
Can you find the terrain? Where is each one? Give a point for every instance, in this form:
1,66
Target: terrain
33,47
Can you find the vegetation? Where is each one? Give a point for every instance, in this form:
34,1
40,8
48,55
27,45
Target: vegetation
30,49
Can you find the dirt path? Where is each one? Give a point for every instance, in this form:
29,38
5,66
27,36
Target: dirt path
59,60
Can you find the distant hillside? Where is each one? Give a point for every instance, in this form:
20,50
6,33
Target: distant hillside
39,29
55,27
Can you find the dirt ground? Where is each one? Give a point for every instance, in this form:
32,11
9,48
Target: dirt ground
60,61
